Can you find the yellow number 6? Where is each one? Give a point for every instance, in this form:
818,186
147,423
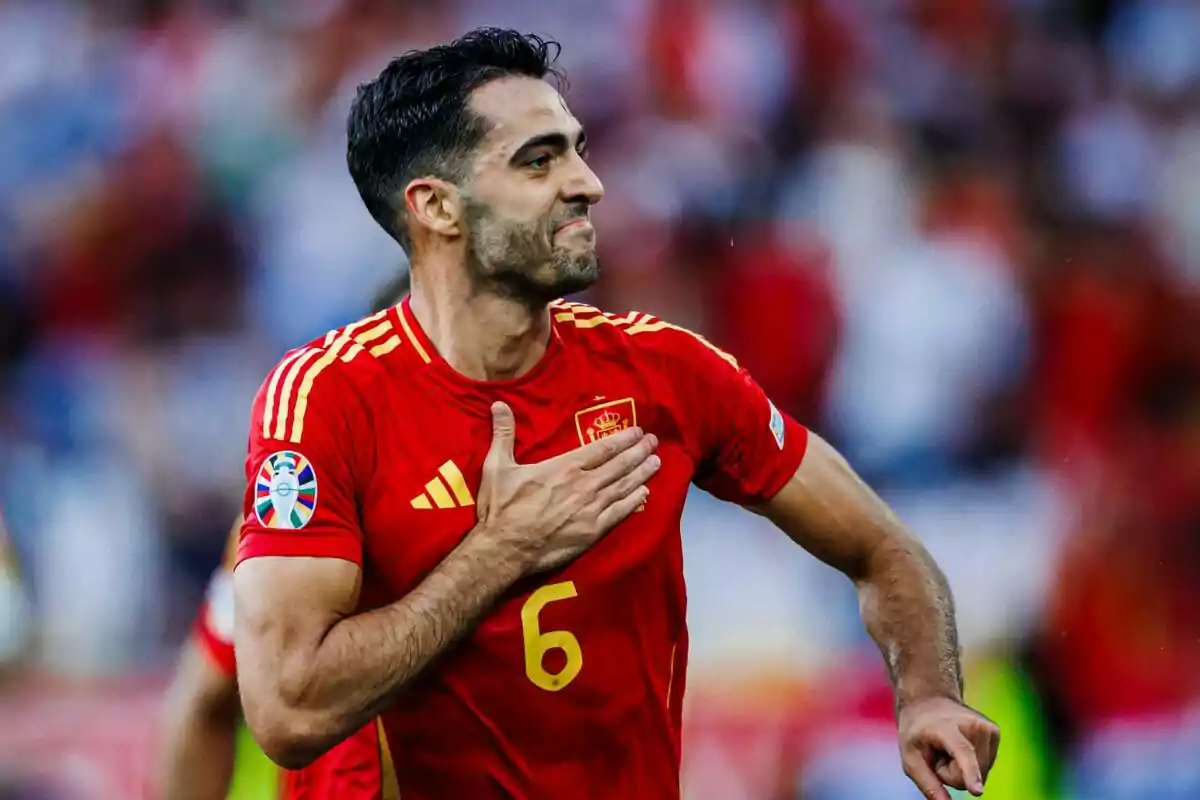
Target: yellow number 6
537,644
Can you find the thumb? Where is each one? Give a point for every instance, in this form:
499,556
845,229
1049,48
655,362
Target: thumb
503,432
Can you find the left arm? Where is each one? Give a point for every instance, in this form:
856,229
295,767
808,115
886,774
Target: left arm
907,608
749,453
904,598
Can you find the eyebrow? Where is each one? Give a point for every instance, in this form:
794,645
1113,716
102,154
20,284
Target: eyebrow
556,142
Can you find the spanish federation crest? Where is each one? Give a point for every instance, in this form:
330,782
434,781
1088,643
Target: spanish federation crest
285,493
605,419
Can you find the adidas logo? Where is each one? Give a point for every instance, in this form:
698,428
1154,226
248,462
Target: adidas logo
448,490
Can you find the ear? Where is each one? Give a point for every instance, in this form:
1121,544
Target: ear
435,205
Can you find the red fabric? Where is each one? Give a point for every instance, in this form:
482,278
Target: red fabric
350,771
218,649
213,628
381,430
776,307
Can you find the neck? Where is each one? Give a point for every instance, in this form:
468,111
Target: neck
482,335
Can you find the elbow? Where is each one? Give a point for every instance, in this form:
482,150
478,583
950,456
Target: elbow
291,739
288,745
287,751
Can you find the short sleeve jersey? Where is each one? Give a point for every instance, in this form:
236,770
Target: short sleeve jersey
367,446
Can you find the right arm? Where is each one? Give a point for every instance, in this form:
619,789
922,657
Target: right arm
312,671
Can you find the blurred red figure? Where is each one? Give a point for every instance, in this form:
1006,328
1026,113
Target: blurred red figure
203,714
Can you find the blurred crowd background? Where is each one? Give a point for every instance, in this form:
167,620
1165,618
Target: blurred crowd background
958,238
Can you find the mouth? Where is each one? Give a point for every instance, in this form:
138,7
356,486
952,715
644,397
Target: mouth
578,222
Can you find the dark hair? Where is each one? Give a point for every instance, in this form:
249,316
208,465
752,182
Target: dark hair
413,119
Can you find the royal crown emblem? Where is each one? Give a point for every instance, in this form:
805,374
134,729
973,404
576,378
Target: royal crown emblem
609,423
605,419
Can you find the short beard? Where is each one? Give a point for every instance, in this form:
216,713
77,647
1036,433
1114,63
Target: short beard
517,262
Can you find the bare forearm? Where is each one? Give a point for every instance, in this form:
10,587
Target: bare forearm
200,761
905,601
198,731
364,660
909,611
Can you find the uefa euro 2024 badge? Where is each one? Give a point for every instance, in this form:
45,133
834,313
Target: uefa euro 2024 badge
285,493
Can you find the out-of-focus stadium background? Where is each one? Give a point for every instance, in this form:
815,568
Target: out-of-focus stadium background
959,238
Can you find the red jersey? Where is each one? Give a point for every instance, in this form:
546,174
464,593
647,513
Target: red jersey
353,770
367,446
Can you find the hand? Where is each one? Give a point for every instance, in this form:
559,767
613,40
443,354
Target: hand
944,742
550,512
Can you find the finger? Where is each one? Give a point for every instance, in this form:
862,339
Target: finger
920,773
616,513
598,452
991,750
949,772
624,463
504,432
641,473
963,753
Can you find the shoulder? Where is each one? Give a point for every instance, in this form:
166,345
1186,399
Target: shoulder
339,369
641,336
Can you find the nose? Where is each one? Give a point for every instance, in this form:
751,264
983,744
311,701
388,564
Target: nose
583,186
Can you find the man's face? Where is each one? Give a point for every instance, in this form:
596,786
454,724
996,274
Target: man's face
528,194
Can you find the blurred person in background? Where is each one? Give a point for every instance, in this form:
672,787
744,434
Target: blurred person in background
15,628
468,156
15,625
205,750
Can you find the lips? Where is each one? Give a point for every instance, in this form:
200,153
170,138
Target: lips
573,223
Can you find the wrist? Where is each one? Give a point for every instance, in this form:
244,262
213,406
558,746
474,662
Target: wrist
489,543
911,697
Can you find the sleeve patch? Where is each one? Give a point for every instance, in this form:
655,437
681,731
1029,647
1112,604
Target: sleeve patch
778,429
285,491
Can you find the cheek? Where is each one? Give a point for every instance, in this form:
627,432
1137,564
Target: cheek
505,239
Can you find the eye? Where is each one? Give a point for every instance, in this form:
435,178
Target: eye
538,162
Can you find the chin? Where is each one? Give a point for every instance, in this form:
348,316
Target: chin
576,274
566,272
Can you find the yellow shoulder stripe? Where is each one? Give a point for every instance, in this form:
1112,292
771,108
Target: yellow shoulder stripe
416,343
285,395
287,402
633,323
273,387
